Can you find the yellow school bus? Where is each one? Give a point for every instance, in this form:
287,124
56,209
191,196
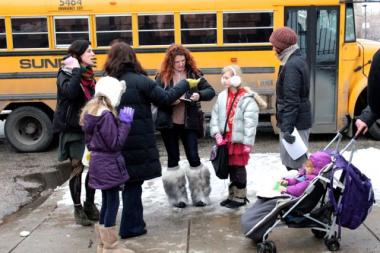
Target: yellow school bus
34,36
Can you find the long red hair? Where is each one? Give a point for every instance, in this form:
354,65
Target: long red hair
167,66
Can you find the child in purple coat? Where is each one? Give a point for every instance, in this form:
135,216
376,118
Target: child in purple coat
105,133
296,186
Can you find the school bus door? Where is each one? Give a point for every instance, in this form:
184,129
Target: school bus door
317,29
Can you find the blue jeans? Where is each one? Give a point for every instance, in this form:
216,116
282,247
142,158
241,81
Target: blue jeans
189,140
132,220
110,206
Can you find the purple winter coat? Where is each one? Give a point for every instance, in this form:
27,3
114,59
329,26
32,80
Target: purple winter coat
104,138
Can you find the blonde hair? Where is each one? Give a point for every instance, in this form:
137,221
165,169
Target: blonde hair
95,106
235,69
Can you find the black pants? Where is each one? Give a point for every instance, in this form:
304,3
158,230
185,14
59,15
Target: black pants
75,185
189,140
132,220
238,176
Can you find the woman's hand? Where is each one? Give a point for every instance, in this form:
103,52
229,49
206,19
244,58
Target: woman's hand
195,96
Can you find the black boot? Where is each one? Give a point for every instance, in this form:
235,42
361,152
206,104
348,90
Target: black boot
91,211
230,196
81,217
239,199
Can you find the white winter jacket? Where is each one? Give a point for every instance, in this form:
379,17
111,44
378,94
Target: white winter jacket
245,120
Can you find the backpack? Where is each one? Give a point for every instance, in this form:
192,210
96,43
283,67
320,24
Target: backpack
357,197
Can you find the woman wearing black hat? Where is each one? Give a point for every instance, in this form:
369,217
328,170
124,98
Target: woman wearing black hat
75,86
293,107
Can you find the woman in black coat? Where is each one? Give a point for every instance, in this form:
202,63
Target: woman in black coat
293,107
140,150
75,86
181,120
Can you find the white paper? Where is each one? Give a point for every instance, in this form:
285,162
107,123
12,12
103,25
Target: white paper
296,149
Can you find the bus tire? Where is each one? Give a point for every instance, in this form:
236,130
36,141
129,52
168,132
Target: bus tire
374,130
28,129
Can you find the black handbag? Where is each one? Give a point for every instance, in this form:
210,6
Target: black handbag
219,154
201,119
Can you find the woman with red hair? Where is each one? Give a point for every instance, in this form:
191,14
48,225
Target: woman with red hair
181,120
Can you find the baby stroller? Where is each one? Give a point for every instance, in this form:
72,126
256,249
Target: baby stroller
318,208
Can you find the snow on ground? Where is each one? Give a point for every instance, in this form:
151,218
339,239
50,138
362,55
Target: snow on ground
263,170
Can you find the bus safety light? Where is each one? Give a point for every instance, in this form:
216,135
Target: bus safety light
234,59
113,3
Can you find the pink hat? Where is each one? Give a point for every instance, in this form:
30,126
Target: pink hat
283,37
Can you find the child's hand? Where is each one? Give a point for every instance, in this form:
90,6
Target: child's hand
247,149
282,189
126,114
283,182
219,139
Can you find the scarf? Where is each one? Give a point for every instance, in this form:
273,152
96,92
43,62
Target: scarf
286,53
230,98
87,82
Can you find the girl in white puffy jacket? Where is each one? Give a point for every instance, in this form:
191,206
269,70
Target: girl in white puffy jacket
243,105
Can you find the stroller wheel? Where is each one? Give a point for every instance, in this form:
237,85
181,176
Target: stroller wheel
332,244
266,247
318,233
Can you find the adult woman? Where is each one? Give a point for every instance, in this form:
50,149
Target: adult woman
140,151
75,86
180,120
293,107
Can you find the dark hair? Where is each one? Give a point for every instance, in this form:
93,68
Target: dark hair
121,57
167,66
77,48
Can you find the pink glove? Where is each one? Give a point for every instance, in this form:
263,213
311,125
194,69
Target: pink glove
247,149
219,139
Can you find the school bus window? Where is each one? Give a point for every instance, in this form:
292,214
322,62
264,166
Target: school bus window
350,24
198,28
29,33
3,41
68,29
326,36
296,19
156,29
247,27
113,27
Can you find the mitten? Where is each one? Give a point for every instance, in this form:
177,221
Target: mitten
126,114
289,138
219,139
193,82
247,149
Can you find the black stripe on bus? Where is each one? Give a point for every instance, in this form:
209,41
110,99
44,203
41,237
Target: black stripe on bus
32,96
143,50
151,72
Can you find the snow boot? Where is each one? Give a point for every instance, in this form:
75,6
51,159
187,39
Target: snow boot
239,199
110,241
230,195
99,248
81,217
199,184
91,211
174,181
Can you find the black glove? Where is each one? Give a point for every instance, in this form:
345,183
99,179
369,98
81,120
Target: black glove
289,138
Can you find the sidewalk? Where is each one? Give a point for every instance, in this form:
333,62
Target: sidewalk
208,229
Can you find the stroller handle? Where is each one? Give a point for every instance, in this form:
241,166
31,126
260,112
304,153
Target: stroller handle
348,121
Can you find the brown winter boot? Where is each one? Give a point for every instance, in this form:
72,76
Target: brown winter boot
110,241
239,199
99,248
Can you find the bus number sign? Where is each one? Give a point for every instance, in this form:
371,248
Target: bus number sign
70,5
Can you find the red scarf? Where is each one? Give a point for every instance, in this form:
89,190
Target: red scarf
230,98
88,82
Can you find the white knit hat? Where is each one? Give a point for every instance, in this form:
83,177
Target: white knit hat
111,88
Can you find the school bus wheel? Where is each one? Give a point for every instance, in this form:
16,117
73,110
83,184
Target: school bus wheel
28,129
